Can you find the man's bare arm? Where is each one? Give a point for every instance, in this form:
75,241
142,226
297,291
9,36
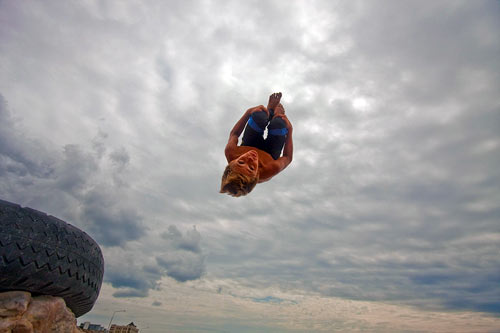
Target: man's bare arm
287,157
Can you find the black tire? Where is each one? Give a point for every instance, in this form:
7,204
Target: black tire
46,256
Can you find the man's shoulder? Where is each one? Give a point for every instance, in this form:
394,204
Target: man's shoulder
270,168
273,167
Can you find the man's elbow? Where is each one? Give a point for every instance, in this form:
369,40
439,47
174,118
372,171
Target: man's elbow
228,149
233,136
288,154
285,161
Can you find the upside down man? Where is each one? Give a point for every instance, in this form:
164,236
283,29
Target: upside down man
257,159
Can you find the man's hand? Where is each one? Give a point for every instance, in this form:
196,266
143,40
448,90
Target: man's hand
257,109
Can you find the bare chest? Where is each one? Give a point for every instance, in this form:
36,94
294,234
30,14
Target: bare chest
267,165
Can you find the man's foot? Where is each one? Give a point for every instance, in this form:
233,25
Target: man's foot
274,100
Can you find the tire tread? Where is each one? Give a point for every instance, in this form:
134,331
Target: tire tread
42,254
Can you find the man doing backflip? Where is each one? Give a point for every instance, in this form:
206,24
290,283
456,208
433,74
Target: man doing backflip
257,159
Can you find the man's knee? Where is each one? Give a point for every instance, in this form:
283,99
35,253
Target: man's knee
260,118
277,122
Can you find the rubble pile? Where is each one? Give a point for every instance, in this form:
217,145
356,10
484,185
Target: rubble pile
22,313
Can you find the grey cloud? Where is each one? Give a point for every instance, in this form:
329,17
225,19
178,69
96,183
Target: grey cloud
155,270
75,170
130,293
183,266
120,158
69,185
406,49
19,155
132,277
376,203
98,144
111,223
185,261
136,268
121,279
189,242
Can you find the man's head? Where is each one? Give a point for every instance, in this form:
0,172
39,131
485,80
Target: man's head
241,175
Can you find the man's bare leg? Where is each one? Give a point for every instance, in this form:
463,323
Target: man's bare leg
279,109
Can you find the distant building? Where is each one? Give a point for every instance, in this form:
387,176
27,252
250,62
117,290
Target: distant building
130,328
92,328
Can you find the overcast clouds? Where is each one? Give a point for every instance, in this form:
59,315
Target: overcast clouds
114,117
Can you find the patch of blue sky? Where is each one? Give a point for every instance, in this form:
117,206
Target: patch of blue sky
272,299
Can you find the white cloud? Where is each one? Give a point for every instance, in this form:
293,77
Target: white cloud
114,117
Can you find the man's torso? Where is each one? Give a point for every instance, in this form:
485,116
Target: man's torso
268,167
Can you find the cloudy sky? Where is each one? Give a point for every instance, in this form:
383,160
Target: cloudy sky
114,116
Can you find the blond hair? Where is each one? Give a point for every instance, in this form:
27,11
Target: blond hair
236,184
